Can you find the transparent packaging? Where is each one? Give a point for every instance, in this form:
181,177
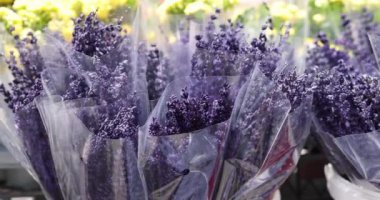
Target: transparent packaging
89,166
355,156
24,135
184,165
265,140
248,156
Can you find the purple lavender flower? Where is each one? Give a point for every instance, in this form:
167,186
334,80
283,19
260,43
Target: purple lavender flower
345,89
217,51
93,38
335,102
346,103
225,51
323,55
297,88
188,114
25,87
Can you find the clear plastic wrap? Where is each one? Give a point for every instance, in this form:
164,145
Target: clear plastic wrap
354,155
22,130
184,165
374,39
265,140
92,111
89,166
25,137
331,150
93,165
361,150
246,157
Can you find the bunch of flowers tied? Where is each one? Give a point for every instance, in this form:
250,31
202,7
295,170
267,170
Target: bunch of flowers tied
215,116
346,98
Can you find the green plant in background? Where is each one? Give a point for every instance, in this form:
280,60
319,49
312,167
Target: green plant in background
57,15
281,12
194,7
307,17
325,14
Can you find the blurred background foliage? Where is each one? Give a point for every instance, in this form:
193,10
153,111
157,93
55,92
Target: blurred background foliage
306,16
56,15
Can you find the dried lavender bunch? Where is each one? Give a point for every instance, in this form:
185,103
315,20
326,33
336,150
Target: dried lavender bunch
100,73
105,44
107,80
266,111
112,121
260,105
25,87
27,83
103,69
183,128
271,93
193,113
225,51
113,115
173,152
346,103
345,108
341,74
94,38
217,52
295,87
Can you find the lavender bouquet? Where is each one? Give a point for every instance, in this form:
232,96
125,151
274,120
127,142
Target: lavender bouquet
345,101
233,128
270,123
180,147
345,109
94,94
22,129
